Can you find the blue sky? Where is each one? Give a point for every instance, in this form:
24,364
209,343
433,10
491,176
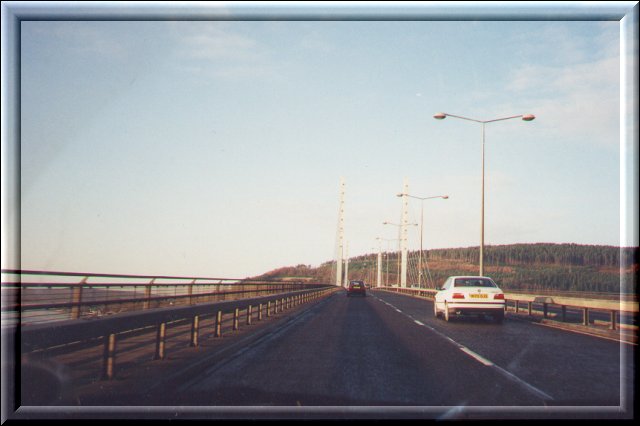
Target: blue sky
215,148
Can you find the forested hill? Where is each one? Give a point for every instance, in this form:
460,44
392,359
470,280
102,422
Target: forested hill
544,254
538,266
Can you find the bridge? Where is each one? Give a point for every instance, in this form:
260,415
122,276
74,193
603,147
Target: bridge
103,346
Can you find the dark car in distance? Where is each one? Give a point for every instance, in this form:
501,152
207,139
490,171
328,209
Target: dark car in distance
356,288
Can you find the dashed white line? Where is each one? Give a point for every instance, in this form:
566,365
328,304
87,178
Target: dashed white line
518,380
476,356
481,359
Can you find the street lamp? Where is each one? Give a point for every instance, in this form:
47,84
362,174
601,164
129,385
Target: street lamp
444,197
378,271
386,255
525,117
401,280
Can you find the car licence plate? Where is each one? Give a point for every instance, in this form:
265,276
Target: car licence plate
478,296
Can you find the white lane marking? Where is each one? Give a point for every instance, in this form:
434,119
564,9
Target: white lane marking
476,356
398,310
528,386
484,361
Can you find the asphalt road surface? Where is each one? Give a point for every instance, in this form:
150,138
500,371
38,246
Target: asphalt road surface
387,350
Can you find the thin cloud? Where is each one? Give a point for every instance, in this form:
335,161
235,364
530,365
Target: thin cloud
580,101
213,49
216,41
84,37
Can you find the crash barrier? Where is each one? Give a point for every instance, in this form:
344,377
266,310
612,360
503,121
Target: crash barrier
30,297
536,305
111,331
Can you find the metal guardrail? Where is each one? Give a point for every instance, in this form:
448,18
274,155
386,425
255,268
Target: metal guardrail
591,295
514,301
109,330
30,297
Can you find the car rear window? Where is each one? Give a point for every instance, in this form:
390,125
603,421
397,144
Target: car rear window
473,282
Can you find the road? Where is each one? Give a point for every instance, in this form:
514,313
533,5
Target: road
387,350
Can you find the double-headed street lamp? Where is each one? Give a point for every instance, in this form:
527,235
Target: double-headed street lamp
444,197
442,116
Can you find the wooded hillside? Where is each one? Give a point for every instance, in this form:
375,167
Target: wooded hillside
540,266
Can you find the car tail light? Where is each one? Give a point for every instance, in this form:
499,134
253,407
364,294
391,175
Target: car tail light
498,296
458,296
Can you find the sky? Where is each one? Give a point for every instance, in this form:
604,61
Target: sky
215,148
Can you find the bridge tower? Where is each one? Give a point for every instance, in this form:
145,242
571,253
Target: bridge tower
403,233
340,235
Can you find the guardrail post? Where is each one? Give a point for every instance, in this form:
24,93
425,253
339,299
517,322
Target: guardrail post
268,309
76,299
585,316
223,294
613,320
218,332
249,315
190,291
236,314
195,325
530,307
544,310
147,294
260,312
564,313
160,340
109,357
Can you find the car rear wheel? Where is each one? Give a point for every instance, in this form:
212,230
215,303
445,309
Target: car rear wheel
498,317
435,310
447,317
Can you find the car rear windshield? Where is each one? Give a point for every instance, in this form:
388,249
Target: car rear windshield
474,282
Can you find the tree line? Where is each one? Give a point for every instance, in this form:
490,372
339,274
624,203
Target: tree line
540,266
544,254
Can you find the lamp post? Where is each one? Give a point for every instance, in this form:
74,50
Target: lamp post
444,197
442,116
386,255
378,270
402,277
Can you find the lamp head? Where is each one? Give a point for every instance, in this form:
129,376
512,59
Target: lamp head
440,116
528,117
